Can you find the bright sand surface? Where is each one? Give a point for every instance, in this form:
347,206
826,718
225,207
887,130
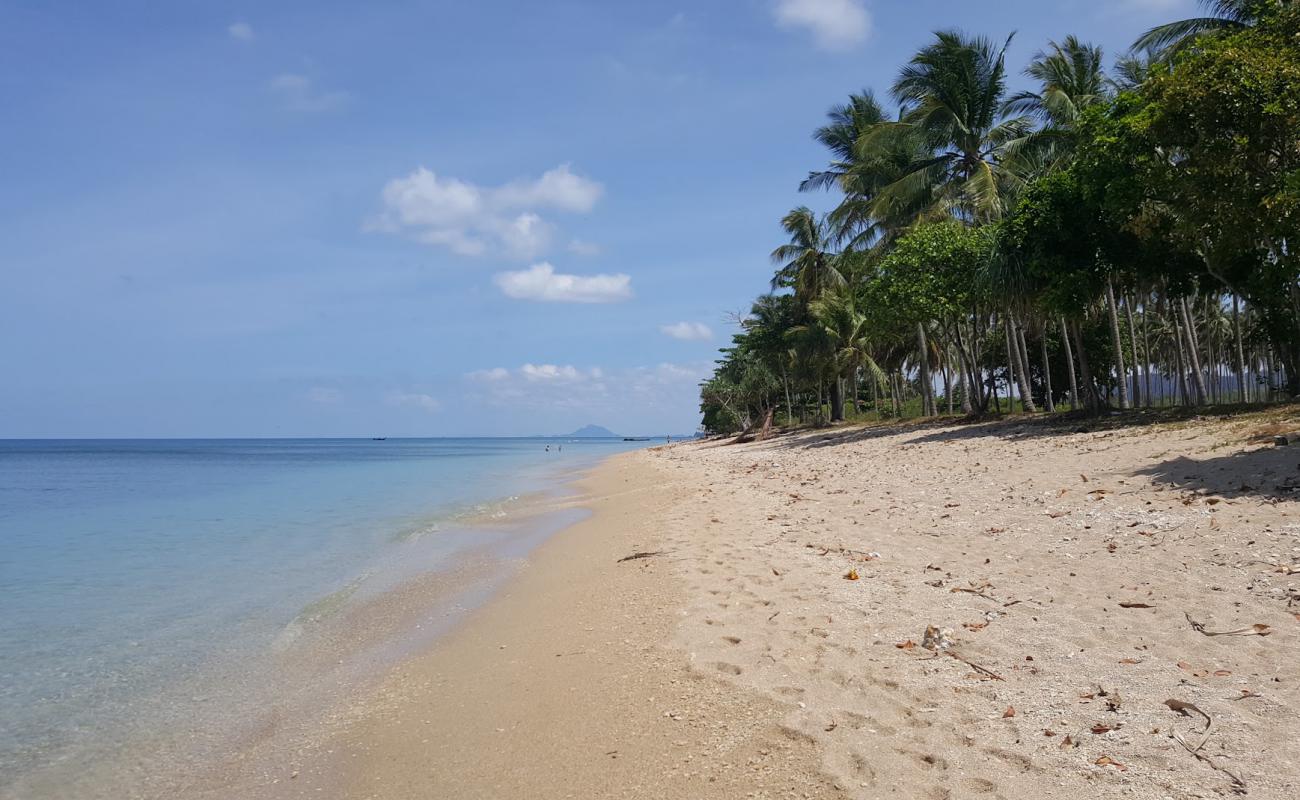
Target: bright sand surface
1080,577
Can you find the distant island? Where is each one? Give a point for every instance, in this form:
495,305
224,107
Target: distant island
593,432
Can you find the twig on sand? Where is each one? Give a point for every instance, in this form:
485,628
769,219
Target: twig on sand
635,556
1258,629
1182,707
982,670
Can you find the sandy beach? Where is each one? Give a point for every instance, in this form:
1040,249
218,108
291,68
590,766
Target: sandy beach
1098,597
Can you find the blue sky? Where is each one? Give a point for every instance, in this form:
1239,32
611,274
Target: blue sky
418,218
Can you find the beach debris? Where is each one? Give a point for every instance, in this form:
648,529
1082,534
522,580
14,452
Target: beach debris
635,556
1067,742
851,575
907,645
988,673
975,588
832,726
1009,713
937,638
1258,629
1107,761
1135,605
1184,708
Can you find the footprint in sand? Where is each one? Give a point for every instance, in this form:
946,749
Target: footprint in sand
731,639
730,669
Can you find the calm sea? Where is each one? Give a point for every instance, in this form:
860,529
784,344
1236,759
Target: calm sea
154,585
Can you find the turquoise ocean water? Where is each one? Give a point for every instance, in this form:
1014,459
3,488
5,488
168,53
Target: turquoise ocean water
155,585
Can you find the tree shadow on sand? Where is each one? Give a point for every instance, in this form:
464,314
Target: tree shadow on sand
1266,472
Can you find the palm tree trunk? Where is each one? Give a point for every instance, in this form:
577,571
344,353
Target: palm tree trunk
1133,348
1091,400
1242,391
837,399
1022,363
789,406
1193,358
1146,353
1121,373
1069,360
1047,373
1011,365
923,359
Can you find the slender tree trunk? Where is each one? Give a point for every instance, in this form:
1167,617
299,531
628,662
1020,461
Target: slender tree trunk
1069,360
1022,362
1133,348
1193,358
837,399
947,381
965,391
1011,365
1182,366
923,359
1243,391
789,404
1047,373
1091,399
1146,354
1121,373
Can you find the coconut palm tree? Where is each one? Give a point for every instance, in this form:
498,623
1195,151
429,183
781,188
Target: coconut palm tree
952,92
847,330
1223,17
806,263
1072,79
846,124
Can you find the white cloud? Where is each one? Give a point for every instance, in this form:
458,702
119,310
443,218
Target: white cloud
494,374
542,283
324,395
688,331
835,24
298,93
241,31
474,220
584,248
593,391
423,402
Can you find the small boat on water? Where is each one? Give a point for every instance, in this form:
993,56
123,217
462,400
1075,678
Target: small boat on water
378,438
636,438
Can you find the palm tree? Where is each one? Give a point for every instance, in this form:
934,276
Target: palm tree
847,123
806,263
1224,17
953,93
847,331
1072,79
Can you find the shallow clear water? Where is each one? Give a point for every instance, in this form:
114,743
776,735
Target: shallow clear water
130,567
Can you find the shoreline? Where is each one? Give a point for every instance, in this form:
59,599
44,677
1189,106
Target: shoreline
566,683
739,661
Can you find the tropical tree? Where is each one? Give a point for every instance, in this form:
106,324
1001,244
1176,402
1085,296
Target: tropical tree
806,263
846,124
952,92
1223,17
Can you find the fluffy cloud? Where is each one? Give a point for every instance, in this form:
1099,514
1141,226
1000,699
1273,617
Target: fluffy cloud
473,220
542,283
688,331
241,31
299,93
423,402
834,24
